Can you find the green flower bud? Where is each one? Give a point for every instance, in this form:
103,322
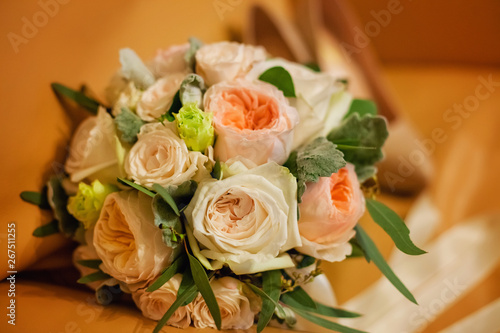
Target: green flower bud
86,204
195,127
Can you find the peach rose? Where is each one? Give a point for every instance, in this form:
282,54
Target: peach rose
127,241
253,120
226,61
157,99
154,304
160,156
170,61
237,310
329,211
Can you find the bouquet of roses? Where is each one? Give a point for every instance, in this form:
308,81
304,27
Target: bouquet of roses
214,182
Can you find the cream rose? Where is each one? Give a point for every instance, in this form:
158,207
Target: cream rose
321,101
329,211
154,304
170,61
253,120
236,309
160,156
246,221
157,99
226,61
92,152
127,241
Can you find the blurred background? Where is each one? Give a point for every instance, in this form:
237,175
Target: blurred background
433,67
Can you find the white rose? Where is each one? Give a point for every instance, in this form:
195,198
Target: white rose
92,151
226,61
321,101
160,156
157,99
170,61
251,119
130,246
154,304
128,98
236,309
246,221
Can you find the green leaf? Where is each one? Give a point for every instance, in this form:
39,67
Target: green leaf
266,313
365,172
174,108
91,263
47,229
306,261
167,197
362,107
82,100
176,267
217,171
187,282
281,79
36,198
393,225
320,309
129,124
318,159
271,283
325,323
301,296
367,131
58,200
313,66
181,298
201,279
136,186
372,253
97,276
189,57
357,251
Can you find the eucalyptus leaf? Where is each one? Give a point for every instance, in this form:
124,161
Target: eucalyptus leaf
96,276
177,266
170,224
365,172
269,310
187,282
129,124
136,186
91,263
325,323
105,294
47,229
393,225
362,107
372,253
201,279
281,79
306,261
271,284
81,99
